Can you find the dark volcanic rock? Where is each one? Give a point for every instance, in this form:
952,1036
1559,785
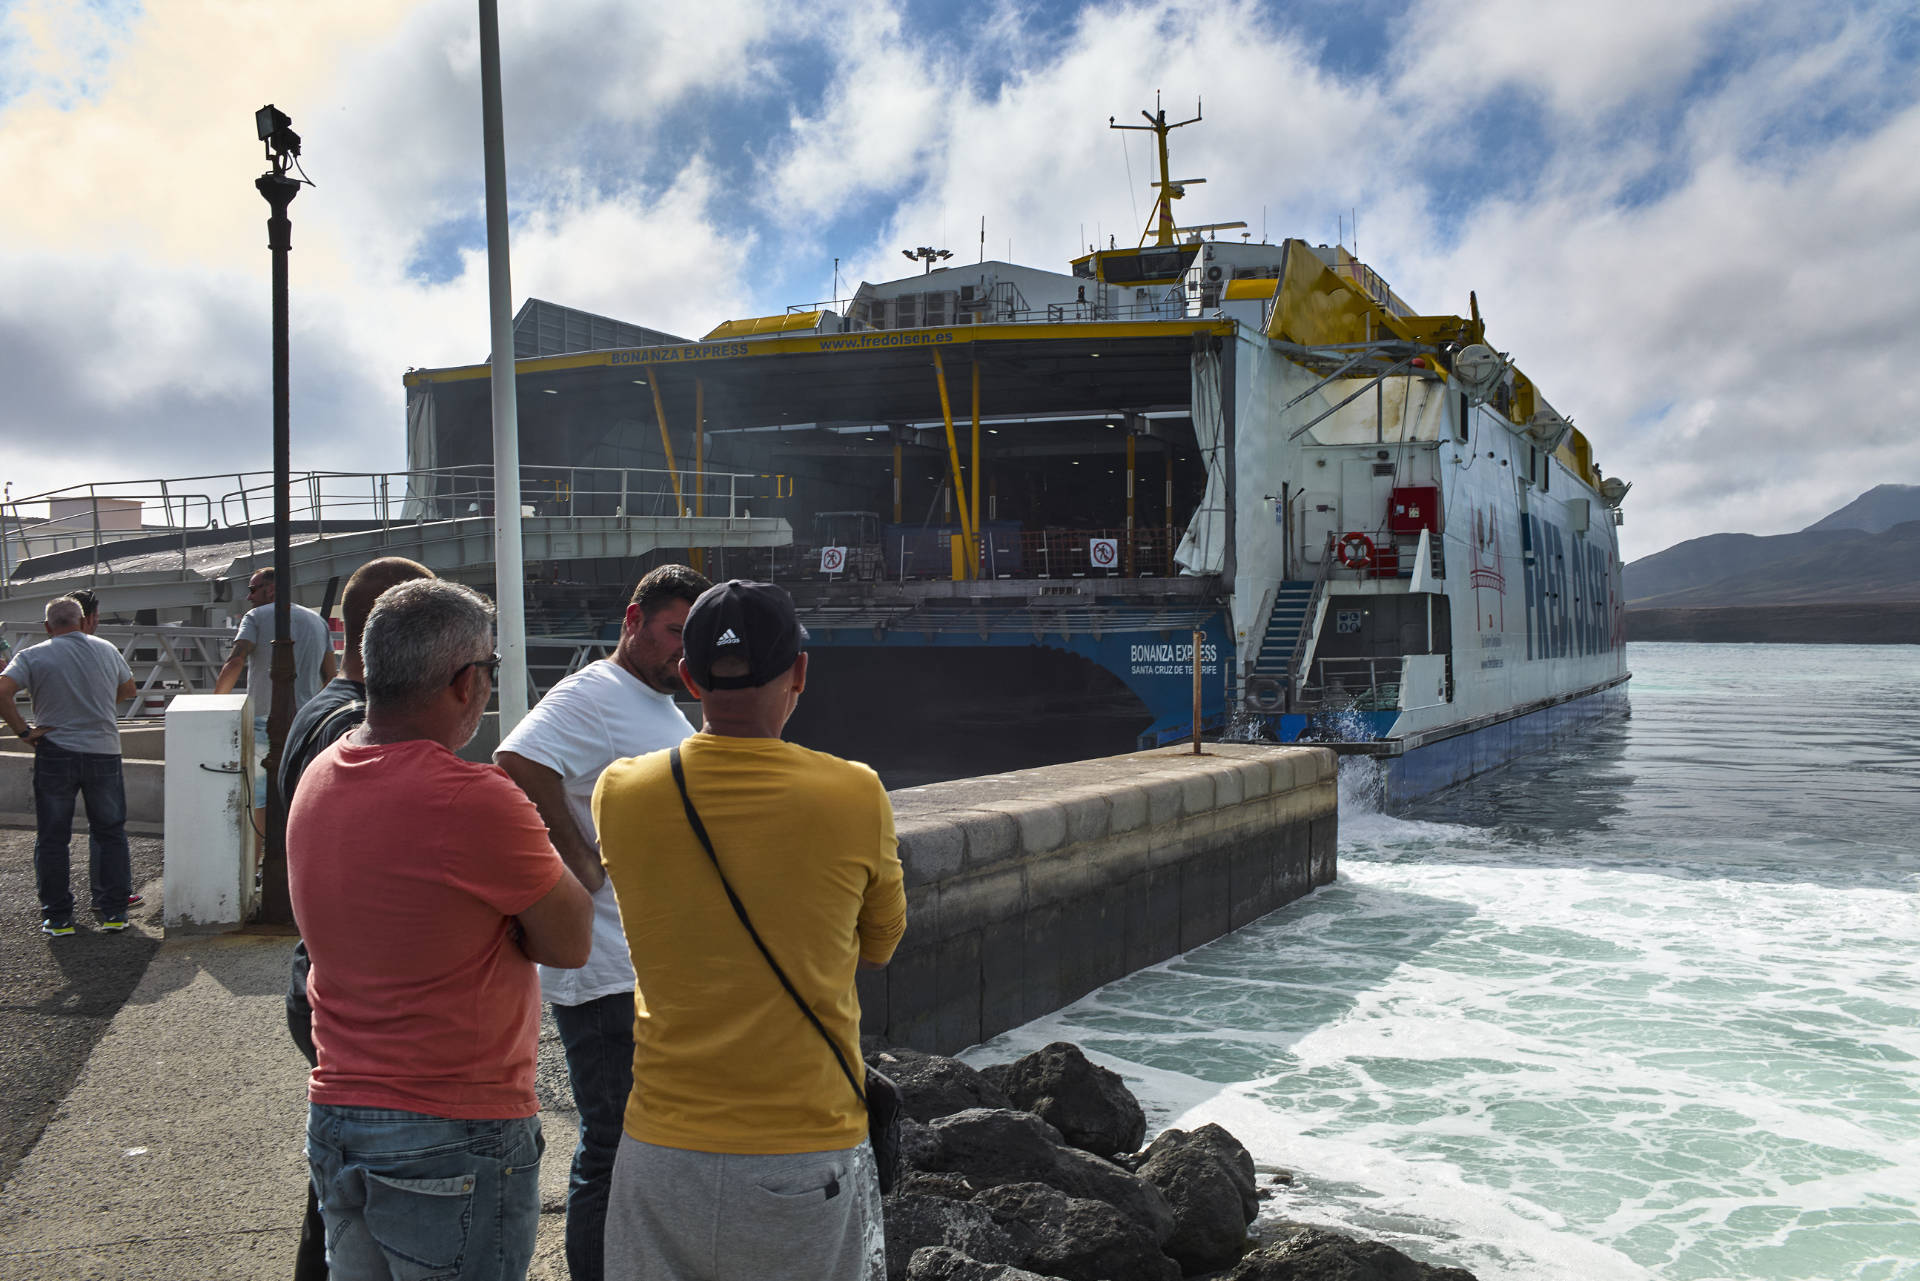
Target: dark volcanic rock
918,1145
1083,1174
1076,1238
936,1086
954,1187
1207,1177
1233,1157
943,1263
995,1146
913,1222
1091,1106
1304,1253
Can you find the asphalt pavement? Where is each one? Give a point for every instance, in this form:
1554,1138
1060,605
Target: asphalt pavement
57,995
154,1109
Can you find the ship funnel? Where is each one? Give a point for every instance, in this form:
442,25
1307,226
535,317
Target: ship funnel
1613,489
1478,369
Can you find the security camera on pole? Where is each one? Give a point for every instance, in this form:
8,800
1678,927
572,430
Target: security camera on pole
283,150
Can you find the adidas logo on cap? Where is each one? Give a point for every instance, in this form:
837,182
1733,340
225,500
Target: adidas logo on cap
726,638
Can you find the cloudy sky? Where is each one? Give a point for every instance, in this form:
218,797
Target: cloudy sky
1696,223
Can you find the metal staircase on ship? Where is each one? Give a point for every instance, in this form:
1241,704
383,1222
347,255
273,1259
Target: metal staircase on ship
1293,623
1292,632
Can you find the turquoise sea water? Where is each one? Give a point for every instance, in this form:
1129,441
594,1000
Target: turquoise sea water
1646,1007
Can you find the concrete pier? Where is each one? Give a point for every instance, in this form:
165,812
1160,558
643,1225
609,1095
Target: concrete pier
1026,891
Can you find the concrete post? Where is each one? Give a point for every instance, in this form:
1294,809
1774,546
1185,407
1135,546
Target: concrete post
209,824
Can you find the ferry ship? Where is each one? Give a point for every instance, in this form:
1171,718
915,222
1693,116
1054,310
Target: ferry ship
1383,534
1012,501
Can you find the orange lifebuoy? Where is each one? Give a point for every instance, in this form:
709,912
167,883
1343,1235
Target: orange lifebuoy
1356,551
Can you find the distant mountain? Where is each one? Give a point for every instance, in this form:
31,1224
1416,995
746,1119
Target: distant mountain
1838,566
1867,551
1877,510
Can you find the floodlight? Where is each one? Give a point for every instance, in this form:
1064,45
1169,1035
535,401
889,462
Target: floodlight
275,128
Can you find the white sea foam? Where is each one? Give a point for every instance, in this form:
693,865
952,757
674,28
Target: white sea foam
1648,1011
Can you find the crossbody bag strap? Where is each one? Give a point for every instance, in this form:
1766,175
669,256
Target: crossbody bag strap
740,910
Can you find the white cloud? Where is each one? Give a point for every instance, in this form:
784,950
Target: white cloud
1707,269
1580,59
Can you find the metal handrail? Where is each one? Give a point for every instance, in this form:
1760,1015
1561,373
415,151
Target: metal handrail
1374,694
168,661
242,501
1308,631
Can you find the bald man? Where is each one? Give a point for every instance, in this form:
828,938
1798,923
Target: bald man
78,683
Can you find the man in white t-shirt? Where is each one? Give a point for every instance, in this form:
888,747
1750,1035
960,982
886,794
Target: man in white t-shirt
609,710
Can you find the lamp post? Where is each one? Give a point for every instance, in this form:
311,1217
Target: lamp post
510,577
282,147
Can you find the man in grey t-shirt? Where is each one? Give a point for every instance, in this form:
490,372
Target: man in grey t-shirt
77,682
313,665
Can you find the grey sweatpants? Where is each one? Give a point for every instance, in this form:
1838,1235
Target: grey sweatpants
676,1215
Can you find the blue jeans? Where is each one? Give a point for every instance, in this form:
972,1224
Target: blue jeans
598,1036
408,1197
261,747
58,777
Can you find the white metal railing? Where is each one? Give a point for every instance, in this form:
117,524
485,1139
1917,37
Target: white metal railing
165,660
168,661
243,503
1368,684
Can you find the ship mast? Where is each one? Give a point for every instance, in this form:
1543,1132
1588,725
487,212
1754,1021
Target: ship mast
1170,190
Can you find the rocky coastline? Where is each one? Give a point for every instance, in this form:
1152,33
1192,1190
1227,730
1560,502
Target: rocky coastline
1034,1170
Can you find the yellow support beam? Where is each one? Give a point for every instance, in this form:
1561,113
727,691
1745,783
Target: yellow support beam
697,556
953,458
666,442
974,508
896,474
833,345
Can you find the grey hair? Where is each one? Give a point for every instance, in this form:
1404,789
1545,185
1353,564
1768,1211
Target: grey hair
63,611
418,636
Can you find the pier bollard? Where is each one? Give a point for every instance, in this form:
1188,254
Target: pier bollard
209,823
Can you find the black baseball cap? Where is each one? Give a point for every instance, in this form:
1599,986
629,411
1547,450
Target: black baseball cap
742,619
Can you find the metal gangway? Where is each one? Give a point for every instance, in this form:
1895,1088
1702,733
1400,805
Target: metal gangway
178,546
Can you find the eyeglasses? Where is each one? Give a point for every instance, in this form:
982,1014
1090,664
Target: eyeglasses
491,666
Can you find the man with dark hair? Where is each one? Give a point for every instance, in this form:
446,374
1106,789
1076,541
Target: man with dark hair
77,682
349,687
340,705
89,609
745,1151
426,889
613,708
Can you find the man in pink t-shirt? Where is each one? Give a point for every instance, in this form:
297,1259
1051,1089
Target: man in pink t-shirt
426,889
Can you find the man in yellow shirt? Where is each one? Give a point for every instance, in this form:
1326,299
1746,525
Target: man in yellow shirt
745,1152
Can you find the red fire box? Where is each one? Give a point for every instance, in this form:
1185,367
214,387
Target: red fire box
1414,508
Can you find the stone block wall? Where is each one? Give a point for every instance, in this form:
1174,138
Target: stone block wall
1026,891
